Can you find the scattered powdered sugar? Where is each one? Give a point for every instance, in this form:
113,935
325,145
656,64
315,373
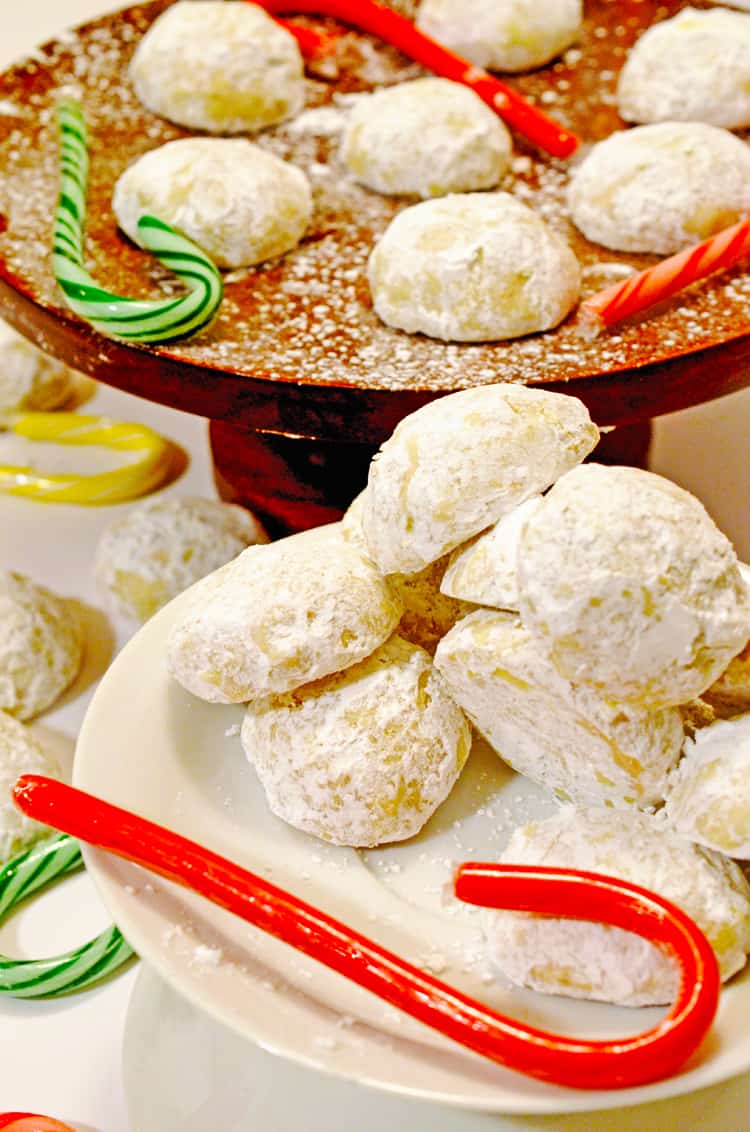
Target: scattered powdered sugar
207,956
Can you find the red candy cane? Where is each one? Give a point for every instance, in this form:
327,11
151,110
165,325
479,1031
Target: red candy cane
376,19
575,1062
655,284
310,42
29,1122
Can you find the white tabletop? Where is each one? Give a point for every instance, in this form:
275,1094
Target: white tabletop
65,1058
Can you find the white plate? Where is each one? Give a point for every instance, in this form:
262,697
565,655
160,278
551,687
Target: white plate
152,748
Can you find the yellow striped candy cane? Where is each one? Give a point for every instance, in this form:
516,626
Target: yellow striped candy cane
127,482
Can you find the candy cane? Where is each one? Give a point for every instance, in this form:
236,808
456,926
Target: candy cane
31,1122
376,18
26,874
127,482
665,279
134,320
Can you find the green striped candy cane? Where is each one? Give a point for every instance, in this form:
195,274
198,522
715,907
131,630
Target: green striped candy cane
26,874
133,320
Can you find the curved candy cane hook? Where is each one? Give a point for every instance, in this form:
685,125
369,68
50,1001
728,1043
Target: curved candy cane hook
133,320
575,1062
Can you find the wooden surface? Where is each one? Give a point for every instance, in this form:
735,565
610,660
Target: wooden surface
298,349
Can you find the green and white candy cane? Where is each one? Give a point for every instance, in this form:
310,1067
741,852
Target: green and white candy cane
132,320
26,874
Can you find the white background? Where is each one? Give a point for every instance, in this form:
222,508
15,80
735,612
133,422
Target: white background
64,1058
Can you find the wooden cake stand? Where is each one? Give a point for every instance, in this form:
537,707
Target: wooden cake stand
299,379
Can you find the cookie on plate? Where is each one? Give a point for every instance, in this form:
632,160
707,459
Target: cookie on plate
455,466
428,613
730,694
586,748
588,960
709,796
484,570
279,616
362,757
628,584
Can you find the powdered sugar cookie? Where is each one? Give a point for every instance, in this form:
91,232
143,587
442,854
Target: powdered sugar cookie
30,379
41,646
692,68
426,138
237,201
504,35
364,756
709,796
661,188
159,548
586,960
472,267
19,754
484,571
219,65
455,466
567,738
351,523
428,613
628,583
279,616
730,694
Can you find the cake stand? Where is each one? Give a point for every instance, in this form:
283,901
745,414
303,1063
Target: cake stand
297,376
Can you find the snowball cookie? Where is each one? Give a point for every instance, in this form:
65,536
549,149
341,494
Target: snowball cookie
29,379
709,796
41,646
237,201
472,267
279,616
661,188
364,756
567,738
587,960
730,694
504,35
219,65
157,549
19,754
692,68
455,466
626,580
484,570
428,613
427,137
